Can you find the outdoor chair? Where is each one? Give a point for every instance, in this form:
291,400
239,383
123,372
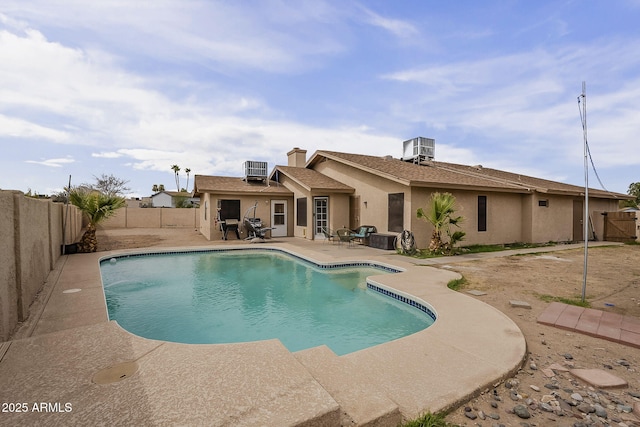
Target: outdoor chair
329,235
345,235
363,233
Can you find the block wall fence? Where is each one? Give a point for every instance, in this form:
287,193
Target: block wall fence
31,239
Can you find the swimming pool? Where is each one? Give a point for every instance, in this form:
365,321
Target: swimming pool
225,296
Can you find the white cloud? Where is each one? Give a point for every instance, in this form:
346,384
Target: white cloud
20,128
54,163
107,155
397,27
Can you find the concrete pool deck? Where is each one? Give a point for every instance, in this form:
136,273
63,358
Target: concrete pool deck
70,365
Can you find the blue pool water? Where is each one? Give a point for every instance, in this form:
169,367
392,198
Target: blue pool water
239,296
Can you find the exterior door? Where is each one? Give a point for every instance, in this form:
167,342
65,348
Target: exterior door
320,216
578,225
279,218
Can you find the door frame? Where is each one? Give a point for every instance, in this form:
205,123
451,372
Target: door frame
279,230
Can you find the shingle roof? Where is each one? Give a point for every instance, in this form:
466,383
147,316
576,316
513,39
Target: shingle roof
231,185
449,175
312,180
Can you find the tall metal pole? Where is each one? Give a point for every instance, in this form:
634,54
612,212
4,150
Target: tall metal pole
585,219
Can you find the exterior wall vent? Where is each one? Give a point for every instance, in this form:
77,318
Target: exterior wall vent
418,149
255,171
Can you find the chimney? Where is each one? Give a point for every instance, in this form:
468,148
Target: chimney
297,157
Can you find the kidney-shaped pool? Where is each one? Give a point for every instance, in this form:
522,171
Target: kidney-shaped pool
239,295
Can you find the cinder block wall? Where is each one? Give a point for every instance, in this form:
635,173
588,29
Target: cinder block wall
32,236
153,218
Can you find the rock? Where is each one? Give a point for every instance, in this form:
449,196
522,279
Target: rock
520,304
514,396
551,386
548,372
534,387
624,408
600,411
481,415
494,405
636,409
623,362
545,407
558,368
577,397
547,398
521,411
493,416
585,408
634,394
568,356
470,415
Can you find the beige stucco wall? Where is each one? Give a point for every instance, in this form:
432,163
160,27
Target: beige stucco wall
31,231
153,218
511,217
504,213
373,191
210,227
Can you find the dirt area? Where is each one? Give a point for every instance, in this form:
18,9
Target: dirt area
613,284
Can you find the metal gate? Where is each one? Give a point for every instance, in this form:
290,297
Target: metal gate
619,226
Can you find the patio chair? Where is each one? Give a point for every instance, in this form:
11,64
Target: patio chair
345,235
363,233
329,235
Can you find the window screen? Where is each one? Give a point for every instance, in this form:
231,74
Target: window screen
230,209
482,213
301,212
396,212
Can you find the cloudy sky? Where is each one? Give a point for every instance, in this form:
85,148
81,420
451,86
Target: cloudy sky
130,88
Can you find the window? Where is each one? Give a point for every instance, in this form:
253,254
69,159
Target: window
229,209
482,213
543,203
301,212
396,212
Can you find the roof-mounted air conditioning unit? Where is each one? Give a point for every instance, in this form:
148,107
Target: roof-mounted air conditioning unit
255,171
418,149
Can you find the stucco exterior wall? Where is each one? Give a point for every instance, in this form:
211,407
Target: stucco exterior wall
31,231
504,216
210,228
373,191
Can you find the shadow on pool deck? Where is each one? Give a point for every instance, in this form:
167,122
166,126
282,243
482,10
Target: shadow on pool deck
68,340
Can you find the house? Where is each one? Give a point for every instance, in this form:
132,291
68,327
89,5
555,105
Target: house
169,199
335,190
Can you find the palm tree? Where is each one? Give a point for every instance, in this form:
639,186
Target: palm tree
187,171
176,169
155,188
440,215
97,207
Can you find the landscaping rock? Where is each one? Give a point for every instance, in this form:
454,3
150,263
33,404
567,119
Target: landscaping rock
521,411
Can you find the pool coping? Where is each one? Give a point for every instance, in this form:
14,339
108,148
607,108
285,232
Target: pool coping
432,370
